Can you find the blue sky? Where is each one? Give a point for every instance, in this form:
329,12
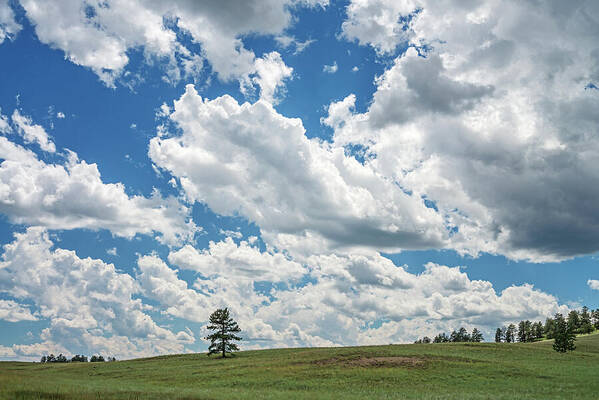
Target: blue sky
400,176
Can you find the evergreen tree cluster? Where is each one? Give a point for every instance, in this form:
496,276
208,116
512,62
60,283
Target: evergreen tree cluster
583,321
458,336
506,334
54,359
526,331
76,358
577,322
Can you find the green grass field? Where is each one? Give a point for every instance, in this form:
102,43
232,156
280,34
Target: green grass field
414,371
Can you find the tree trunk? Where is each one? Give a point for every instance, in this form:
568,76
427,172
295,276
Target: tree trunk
223,341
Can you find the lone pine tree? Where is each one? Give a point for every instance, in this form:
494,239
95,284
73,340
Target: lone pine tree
221,341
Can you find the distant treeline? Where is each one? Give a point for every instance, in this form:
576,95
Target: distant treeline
76,358
458,336
577,322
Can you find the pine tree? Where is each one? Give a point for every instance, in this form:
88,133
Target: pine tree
595,315
537,330
574,321
225,328
79,358
528,330
453,336
522,331
498,335
509,333
441,338
564,335
463,335
476,336
525,331
585,321
549,328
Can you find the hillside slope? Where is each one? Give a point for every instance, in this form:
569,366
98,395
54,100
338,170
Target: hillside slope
439,371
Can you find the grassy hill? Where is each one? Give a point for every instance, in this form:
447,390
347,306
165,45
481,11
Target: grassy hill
414,371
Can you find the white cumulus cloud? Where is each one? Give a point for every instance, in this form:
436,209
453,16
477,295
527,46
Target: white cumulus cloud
241,261
72,195
90,306
248,159
13,312
489,120
99,34
271,71
32,133
330,69
8,26
377,22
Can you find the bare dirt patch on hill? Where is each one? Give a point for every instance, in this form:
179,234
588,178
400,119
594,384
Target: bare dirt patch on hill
409,362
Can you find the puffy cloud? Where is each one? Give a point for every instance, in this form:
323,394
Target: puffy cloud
229,233
13,312
339,112
271,71
352,295
491,122
90,306
330,69
249,160
32,133
8,26
352,299
482,151
6,352
346,297
228,274
98,34
218,29
72,195
241,261
593,284
439,293
377,22
416,85
483,141
4,125
347,307
159,282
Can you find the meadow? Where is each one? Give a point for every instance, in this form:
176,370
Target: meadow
412,371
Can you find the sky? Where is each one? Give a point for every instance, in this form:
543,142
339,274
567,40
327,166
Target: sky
334,172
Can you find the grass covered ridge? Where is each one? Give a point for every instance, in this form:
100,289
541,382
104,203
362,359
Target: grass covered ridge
413,371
